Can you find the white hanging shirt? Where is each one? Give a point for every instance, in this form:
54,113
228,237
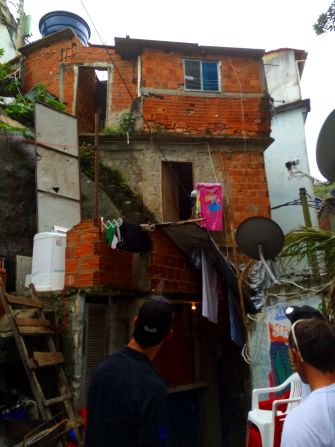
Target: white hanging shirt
312,423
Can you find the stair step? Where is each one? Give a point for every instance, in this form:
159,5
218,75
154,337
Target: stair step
32,322
48,358
30,302
34,330
57,400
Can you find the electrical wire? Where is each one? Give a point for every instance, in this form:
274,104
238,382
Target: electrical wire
242,107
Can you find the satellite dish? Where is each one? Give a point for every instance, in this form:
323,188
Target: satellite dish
325,148
260,238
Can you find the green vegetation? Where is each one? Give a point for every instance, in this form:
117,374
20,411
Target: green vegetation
326,21
114,177
126,124
22,109
300,244
8,82
323,190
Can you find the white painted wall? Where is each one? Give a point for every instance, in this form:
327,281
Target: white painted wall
6,44
288,131
282,76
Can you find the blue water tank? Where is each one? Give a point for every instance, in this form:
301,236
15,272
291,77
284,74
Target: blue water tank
57,20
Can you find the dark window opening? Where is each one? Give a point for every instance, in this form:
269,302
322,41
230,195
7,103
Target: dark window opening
201,75
177,185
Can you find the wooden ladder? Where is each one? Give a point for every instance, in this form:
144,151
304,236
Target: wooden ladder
38,326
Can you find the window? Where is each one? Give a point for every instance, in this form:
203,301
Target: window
201,75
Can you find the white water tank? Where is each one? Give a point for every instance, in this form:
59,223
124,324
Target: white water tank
48,266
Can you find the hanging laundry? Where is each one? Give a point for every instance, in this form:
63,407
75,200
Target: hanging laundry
133,238
113,235
210,288
236,325
110,231
209,202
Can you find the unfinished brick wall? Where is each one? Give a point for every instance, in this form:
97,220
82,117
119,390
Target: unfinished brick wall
170,270
165,70
90,262
208,116
52,63
241,108
245,179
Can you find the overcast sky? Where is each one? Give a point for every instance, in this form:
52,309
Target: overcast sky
266,24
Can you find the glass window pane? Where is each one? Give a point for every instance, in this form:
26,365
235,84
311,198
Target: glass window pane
210,76
192,75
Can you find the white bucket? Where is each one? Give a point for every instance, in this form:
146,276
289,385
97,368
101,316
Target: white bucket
48,266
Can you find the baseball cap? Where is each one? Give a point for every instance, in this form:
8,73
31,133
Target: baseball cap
154,320
295,313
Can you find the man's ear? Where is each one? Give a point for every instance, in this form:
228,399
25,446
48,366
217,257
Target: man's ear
134,321
296,355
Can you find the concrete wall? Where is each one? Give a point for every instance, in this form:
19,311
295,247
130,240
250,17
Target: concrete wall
6,44
7,32
282,76
242,173
289,134
288,131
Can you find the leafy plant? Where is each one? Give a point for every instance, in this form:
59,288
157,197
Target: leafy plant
109,130
23,107
87,160
8,83
306,240
326,21
127,122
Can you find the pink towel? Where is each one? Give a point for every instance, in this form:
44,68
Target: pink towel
210,201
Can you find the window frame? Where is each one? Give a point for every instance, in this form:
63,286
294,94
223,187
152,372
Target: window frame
201,61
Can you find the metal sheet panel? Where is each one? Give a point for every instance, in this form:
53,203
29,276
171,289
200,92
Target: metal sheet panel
57,170
56,129
57,173
54,210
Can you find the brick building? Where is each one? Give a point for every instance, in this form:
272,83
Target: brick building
201,114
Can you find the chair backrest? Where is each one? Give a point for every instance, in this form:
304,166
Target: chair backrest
295,390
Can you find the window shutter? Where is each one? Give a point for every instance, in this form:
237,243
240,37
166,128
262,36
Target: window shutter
96,337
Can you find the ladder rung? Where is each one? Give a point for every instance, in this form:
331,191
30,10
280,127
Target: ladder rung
32,322
57,400
48,358
34,330
30,302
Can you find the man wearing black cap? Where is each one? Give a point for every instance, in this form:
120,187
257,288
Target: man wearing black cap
127,398
312,342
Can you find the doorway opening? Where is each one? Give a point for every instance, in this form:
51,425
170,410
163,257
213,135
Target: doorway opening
177,185
91,98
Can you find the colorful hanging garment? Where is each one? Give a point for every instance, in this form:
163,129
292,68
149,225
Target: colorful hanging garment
209,200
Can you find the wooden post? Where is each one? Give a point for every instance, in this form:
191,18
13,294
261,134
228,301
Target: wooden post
96,164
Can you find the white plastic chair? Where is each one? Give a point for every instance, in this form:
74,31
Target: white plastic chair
265,419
